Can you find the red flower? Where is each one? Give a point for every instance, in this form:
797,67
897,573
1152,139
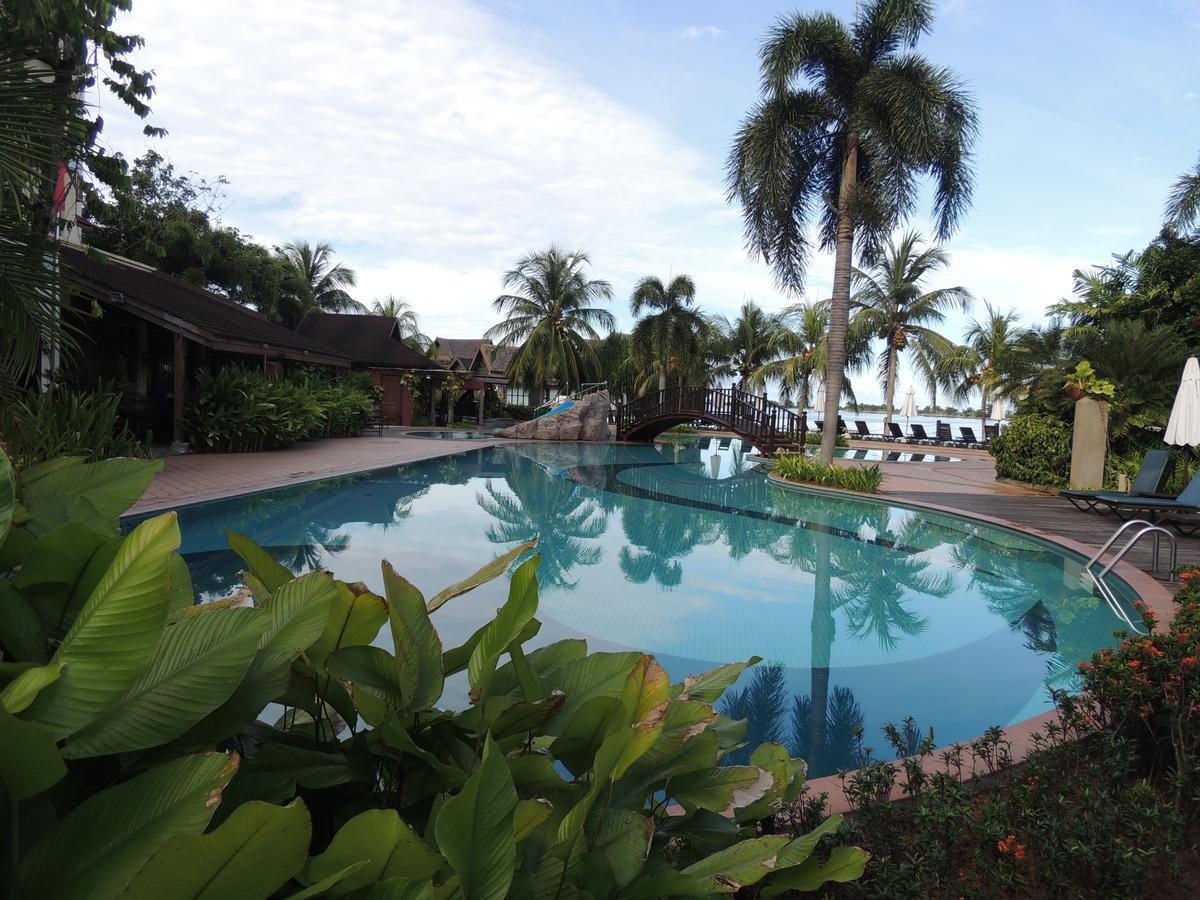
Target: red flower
1188,661
1134,663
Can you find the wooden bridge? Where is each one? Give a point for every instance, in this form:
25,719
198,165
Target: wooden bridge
767,425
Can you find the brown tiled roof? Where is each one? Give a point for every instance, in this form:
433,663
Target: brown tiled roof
371,340
500,358
461,350
200,315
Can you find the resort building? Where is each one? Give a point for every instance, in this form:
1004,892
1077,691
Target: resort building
485,364
374,343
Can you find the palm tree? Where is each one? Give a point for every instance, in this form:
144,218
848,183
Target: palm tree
889,304
406,318
321,283
748,343
1183,204
849,120
992,350
670,333
551,317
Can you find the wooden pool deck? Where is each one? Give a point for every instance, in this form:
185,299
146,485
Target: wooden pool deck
970,486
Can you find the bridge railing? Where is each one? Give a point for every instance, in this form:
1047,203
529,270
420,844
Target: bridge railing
767,424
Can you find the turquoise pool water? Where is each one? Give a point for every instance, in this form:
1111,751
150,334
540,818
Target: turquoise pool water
863,612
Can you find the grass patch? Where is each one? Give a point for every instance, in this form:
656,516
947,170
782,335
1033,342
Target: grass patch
798,467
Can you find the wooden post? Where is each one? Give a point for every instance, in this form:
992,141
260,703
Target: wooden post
482,396
180,383
142,363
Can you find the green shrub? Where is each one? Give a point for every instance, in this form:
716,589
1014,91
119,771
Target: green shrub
1034,449
683,428
803,468
234,410
121,701
65,421
813,438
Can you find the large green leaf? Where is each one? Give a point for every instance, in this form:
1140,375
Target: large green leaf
38,471
416,644
15,547
115,633
596,675
455,659
355,617
21,628
8,494
19,693
494,569
183,597
259,562
250,856
197,666
29,761
265,680
93,494
374,672
516,612
95,852
61,570
844,864
299,610
606,760
312,768
546,662
386,845
623,839
474,829
722,789
707,687
743,864
774,759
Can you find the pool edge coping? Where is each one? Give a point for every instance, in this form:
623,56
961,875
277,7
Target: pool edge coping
1019,735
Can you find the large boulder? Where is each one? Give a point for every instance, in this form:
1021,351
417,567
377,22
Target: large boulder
585,419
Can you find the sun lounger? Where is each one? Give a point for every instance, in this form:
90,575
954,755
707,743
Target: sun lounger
1182,512
943,434
895,432
989,432
1155,470
968,436
919,434
864,430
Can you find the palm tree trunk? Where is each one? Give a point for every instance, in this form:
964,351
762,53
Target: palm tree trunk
839,306
983,410
890,391
822,644
803,404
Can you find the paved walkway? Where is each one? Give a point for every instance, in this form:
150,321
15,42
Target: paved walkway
208,476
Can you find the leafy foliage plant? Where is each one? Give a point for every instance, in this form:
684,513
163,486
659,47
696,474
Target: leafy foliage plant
803,468
1034,449
133,763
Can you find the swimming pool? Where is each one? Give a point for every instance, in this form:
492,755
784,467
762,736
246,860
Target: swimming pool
864,612
452,434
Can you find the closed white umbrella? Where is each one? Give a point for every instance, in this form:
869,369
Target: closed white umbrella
909,408
819,403
1183,428
998,410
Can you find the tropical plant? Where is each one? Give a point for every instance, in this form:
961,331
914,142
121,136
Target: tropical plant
120,700
1183,203
668,334
891,304
321,283
991,351
551,317
406,319
801,341
1084,380
805,469
63,421
1033,449
851,117
749,343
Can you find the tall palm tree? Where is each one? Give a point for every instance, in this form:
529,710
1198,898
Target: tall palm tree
992,349
890,304
1183,204
406,318
321,282
749,343
850,118
551,317
670,331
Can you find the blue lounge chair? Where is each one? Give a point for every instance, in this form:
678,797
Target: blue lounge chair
1182,513
1153,474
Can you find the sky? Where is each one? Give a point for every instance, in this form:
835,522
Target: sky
435,143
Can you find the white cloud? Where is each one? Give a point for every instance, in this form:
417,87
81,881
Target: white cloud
694,32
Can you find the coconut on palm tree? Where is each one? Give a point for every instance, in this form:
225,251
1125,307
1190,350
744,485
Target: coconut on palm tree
749,343
850,119
670,334
552,318
991,351
890,304
320,283
406,319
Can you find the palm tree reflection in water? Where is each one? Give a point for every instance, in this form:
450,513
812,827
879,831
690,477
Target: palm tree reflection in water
555,510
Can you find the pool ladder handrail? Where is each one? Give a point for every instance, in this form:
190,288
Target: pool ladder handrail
1097,578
